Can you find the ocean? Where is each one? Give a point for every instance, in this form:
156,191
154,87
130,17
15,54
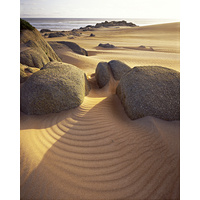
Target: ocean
66,24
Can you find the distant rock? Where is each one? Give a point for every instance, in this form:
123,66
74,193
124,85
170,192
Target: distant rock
114,23
102,74
75,47
45,30
150,91
118,68
57,86
92,35
56,34
106,45
35,51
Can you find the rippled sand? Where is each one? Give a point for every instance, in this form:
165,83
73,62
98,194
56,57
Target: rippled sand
95,151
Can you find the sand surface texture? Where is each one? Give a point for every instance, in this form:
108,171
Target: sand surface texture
95,151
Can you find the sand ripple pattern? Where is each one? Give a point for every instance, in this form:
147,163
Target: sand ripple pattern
96,152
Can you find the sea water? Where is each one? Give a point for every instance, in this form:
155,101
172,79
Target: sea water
66,24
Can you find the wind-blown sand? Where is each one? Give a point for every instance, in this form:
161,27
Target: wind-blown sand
95,151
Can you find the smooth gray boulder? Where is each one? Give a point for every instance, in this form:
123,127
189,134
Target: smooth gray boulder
102,74
150,91
57,86
118,68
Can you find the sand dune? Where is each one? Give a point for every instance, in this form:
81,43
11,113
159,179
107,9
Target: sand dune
95,151
164,39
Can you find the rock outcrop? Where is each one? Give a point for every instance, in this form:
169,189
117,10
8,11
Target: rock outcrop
57,86
118,69
34,50
34,57
102,74
150,91
107,24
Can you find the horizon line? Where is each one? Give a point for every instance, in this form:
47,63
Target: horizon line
99,18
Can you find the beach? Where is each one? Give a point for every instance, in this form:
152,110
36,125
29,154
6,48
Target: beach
95,151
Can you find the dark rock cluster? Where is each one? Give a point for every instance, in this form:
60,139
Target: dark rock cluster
114,23
108,24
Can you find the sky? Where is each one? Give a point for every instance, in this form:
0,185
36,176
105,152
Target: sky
166,9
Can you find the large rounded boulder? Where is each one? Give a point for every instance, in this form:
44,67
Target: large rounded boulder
150,91
102,74
57,86
118,68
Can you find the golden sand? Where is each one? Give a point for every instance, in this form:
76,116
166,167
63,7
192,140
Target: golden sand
95,151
